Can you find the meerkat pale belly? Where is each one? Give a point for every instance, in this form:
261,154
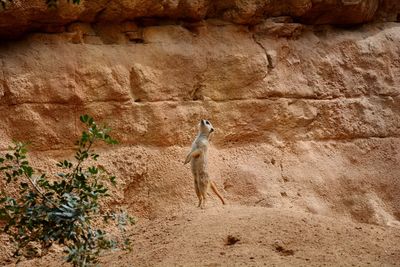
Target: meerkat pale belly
199,163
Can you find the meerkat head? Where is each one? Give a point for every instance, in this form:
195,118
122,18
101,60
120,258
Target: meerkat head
206,127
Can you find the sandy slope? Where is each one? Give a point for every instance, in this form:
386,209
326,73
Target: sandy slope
267,237
309,204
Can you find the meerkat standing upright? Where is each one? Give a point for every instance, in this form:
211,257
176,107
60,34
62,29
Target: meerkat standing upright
198,158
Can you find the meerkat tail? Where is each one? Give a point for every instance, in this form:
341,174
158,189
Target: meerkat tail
214,188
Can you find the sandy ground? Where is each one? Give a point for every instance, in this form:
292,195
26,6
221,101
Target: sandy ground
235,235
311,205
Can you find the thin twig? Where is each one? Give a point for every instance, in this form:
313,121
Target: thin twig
35,186
40,192
81,160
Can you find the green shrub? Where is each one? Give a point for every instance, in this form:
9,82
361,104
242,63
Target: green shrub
64,209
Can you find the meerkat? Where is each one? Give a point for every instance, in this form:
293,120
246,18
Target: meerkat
198,159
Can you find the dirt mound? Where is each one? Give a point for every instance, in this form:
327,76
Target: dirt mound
265,237
337,178
299,204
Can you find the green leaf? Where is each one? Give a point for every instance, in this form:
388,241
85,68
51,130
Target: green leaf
24,185
23,149
9,177
84,118
3,199
85,137
112,180
93,170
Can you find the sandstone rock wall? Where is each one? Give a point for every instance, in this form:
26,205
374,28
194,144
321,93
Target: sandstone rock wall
22,16
326,84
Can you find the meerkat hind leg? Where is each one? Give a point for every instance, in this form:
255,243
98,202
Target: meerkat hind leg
203,203
203,186
196,186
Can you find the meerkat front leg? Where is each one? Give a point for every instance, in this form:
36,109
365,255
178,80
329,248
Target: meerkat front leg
192,154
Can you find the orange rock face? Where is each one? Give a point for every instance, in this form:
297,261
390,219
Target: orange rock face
322,85
21,16
307,116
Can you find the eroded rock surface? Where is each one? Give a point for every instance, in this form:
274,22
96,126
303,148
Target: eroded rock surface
327,84
22,16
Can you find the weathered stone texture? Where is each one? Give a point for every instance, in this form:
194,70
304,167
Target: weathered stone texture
22,16
324,84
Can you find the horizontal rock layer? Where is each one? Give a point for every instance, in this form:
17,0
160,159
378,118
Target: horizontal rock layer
324,84
21,16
